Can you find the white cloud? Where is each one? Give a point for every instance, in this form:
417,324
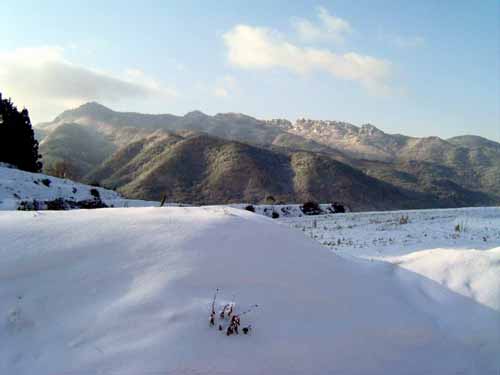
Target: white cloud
307,30
262,48
46,83
328,27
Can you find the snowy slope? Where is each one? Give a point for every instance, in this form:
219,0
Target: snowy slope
456,248
17,186
128,291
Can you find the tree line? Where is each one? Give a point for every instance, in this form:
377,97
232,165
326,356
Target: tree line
18,145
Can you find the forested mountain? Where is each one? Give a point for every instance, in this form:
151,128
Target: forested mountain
232,157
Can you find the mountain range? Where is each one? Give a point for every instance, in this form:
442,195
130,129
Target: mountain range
231,157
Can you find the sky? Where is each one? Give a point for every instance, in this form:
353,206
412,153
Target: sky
421,68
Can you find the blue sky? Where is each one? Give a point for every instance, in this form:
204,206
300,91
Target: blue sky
414,67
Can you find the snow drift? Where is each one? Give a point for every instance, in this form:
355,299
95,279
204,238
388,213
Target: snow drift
471,273
128,291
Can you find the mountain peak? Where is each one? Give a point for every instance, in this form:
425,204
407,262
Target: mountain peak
235,116
195,114
369,129
87,109
93,106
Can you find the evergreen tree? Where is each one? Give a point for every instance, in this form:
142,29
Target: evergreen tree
18,145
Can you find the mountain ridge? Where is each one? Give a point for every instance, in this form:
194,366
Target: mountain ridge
462,170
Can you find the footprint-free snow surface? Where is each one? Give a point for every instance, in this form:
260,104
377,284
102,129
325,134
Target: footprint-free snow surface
129,291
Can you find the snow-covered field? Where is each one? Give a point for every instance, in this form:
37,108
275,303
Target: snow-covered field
129,290
457,248
382,234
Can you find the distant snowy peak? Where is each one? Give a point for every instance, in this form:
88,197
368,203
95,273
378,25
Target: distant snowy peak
234,116
91,109
370,143
308,128
370,130
366,141
195,115
308,123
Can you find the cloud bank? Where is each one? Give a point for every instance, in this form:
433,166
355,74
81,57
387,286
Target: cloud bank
46,83
250,47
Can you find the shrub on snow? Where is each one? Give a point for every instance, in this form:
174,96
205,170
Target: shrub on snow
250,208
311,208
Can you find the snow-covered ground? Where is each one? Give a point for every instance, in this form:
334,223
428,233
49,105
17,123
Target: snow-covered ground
381,234
17,186
281,210
457,248
128,291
